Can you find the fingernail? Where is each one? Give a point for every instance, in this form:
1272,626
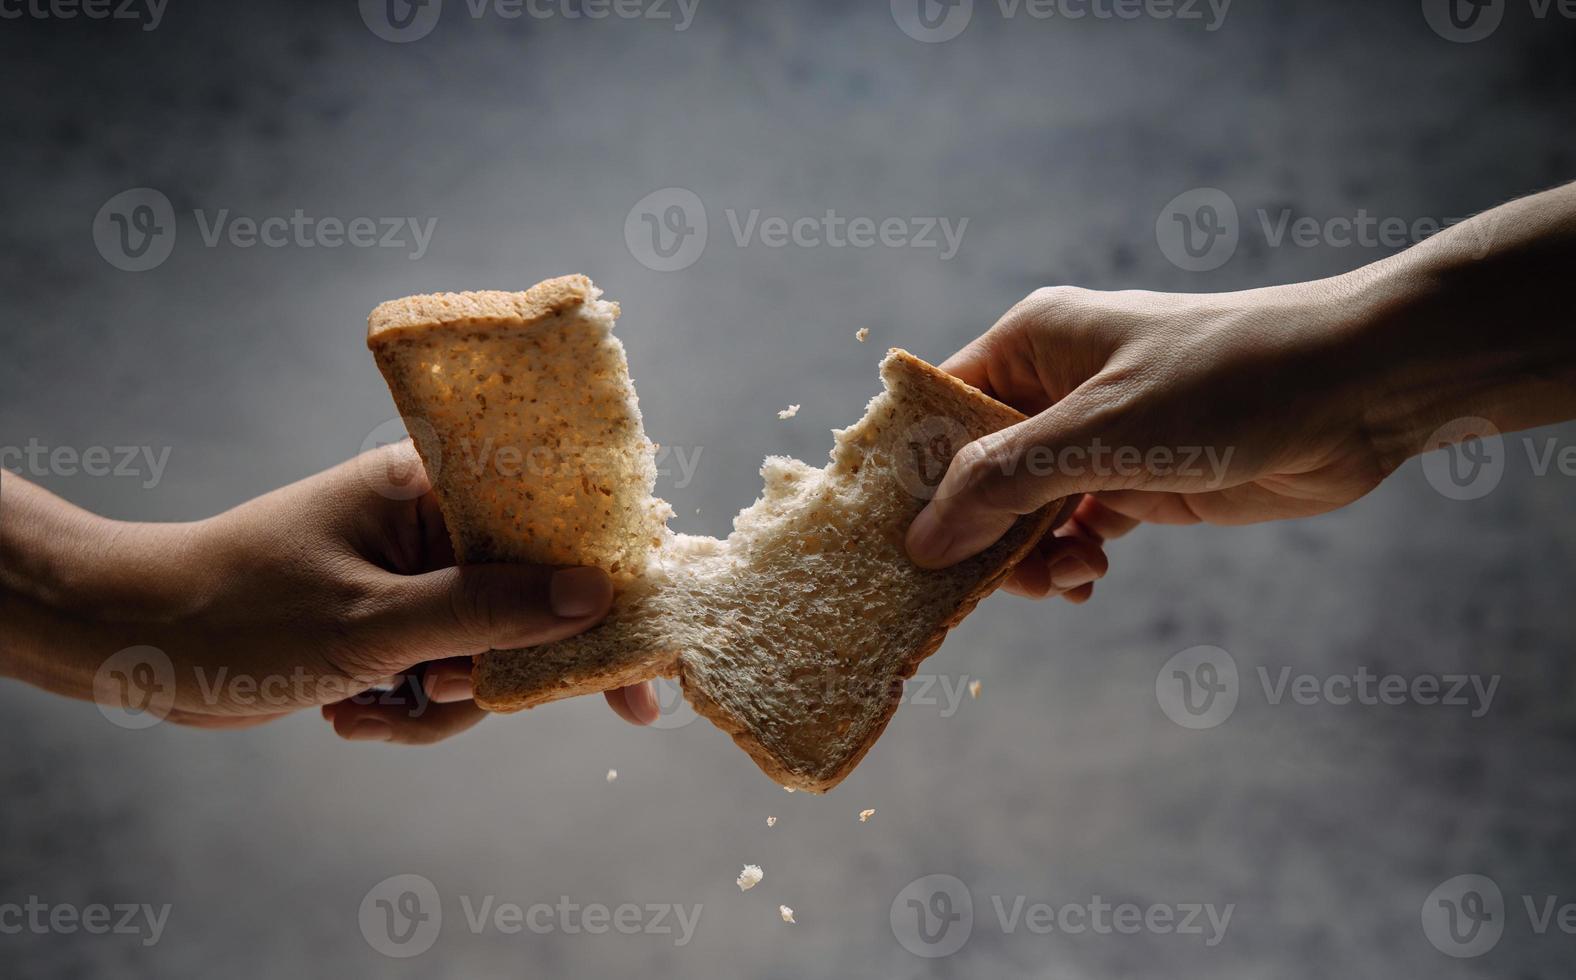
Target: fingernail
1069,572
928,537
642,701
371,730
453,689
576,592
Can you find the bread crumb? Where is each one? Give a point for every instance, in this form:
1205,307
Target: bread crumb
750,877
974,689
863,334
788,788
786,913
865,815
788,412
771,821
612,774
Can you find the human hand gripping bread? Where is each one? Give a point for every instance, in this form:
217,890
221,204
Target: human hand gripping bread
795,633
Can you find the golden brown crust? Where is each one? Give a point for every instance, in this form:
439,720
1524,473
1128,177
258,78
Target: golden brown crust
543,300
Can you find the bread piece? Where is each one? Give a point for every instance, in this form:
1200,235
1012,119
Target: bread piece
521,408
794,634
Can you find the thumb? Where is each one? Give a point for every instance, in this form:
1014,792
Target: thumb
471,609
998,478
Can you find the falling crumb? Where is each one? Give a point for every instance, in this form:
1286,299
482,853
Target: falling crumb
786,913
974,689
612,774
750,877
863,333
771,821
865,815
788,789
788,412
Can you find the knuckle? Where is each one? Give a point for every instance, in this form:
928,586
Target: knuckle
1054,299
985,467
474,602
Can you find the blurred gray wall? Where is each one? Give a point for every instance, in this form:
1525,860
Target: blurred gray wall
527,141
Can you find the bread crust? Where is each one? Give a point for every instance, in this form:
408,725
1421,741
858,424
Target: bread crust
435,310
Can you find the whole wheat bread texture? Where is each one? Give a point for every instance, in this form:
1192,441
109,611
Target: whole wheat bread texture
795,633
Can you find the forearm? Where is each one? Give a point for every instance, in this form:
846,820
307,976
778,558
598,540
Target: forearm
1479,320
75,587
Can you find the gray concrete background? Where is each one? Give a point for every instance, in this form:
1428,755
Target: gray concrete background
528,141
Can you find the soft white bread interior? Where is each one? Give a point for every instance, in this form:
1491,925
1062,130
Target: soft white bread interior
795,633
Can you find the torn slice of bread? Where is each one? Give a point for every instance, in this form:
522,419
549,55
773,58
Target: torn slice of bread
796,632
521,407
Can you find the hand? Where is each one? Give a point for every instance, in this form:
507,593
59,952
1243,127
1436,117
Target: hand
1171,408
1268,403
324,592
